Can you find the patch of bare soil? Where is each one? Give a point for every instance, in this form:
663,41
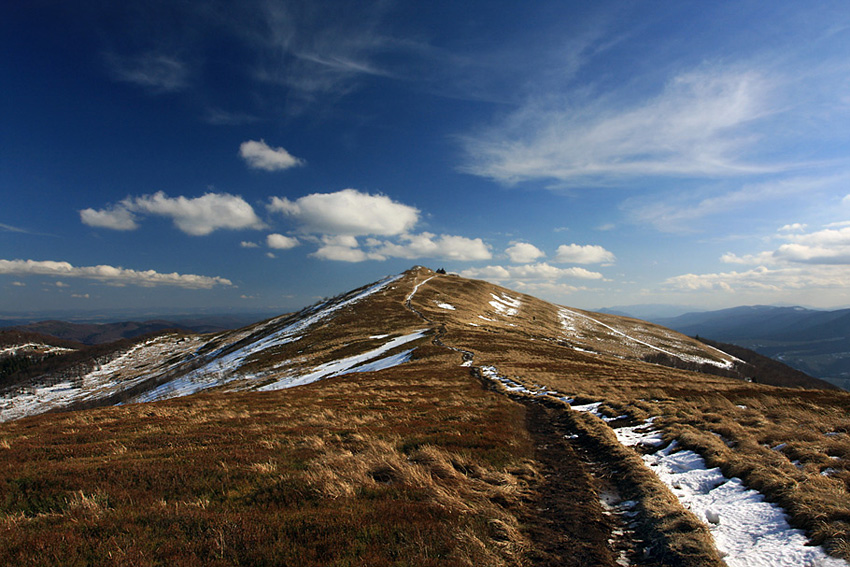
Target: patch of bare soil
577,516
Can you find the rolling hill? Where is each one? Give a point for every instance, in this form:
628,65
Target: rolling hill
814,342
425,419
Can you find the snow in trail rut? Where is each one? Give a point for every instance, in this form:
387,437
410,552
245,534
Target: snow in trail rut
748,531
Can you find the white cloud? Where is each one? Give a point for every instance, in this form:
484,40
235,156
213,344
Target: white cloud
427,245
794,227
348,212
698,126
81,295
342,249
539,271
281,242
156,72
196,216
259,155
61,284
248,244
678,212
523,252
109,274
19,284
764,279
578,254
115,218
812,264
828,246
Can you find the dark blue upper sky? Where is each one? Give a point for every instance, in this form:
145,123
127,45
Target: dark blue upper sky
258,155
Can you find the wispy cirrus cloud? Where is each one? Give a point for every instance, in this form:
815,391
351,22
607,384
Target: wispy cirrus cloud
154,71
197,216
109,274
681,211
699,125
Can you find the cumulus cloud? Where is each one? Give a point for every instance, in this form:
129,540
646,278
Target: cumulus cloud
115,218
764,279
197,216
347,212
828,246
346,248
523,252
343,249
248,244
339,218
539,271
699,125
109,274
281,242
578,254
804,262
259,155
427,245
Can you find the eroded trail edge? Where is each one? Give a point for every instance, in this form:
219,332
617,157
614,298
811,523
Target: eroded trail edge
598,504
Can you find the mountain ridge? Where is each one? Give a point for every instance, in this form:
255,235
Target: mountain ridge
427,417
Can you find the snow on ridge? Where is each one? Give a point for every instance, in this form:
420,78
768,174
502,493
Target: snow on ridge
129,368
568,318
447,306
364,362
101,382
224,369
417,286
41,348
505,304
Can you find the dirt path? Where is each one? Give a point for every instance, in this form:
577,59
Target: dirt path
575,517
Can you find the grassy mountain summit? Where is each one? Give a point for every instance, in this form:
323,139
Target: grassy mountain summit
369,429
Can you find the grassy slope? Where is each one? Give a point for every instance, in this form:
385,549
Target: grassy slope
400,468
734,424
416,465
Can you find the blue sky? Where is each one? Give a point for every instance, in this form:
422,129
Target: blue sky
209,156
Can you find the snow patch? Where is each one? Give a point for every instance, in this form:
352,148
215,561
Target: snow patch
356,363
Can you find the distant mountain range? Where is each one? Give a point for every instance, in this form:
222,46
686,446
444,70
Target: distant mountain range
101,333
815,342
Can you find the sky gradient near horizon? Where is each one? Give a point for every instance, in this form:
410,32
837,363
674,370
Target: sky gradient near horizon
255,156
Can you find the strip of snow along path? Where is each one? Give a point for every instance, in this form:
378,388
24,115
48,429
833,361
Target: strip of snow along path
417,286
748,531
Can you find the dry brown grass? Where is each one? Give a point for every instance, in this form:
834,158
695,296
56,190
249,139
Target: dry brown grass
779,441
372,469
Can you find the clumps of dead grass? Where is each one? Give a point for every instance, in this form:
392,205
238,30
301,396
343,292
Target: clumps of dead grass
457,483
